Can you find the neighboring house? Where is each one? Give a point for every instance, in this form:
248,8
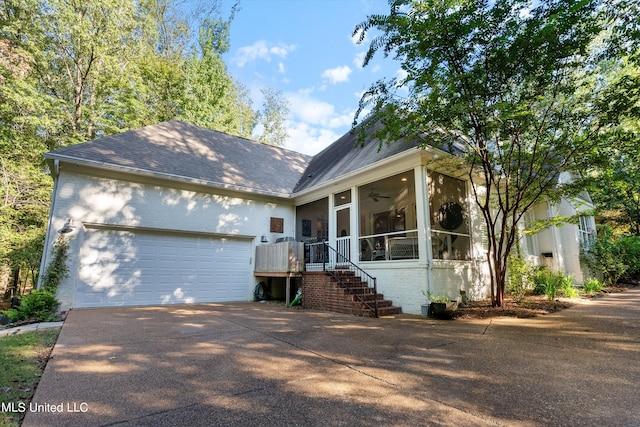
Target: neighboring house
559,248
173,213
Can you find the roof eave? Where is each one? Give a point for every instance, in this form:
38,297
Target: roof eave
165,176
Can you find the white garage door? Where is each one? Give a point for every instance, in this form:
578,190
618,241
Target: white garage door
119,268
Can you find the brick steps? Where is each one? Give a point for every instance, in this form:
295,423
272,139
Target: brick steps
324,292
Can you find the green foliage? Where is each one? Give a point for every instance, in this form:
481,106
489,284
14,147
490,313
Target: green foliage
519,277
615,185
614,256
74,71
40,305
592,285
436,298
272,118
548,283
23,358
567,288
514,84
57,268
630,250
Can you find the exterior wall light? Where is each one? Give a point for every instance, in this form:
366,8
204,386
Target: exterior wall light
67,227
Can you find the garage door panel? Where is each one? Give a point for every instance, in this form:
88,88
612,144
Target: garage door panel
125,268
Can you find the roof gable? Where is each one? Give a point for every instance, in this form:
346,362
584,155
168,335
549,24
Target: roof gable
347,155
175,149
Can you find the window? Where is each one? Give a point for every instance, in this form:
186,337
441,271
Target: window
529,239
388,223
450,235
587,232
313,221
342,198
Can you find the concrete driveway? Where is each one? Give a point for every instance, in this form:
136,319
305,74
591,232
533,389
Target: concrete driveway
261,364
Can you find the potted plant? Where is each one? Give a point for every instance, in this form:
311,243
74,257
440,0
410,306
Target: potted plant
441,306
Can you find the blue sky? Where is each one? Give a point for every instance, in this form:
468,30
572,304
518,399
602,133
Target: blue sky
304,49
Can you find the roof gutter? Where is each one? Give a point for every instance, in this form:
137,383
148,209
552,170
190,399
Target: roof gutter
145,172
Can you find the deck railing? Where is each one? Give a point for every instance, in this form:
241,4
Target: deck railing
283,257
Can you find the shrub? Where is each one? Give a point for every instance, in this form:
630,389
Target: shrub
519,277
566,286
39,305
614,256
542,277
630,252
548,283
592,285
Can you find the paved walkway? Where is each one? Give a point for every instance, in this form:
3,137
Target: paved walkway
264,365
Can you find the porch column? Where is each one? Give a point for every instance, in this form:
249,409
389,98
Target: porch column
422,212
424,223
355,225
332,222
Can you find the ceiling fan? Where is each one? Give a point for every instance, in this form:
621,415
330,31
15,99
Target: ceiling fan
377,196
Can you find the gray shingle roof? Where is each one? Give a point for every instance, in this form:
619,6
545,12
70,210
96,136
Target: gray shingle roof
345,156
180,150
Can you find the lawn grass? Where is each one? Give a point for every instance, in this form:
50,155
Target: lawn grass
22,361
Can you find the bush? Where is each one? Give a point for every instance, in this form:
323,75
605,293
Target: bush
566,286
630,251
542,278
40,305
519,275
592,285
548,283
614,256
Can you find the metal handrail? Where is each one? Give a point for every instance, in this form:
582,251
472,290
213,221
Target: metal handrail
346,264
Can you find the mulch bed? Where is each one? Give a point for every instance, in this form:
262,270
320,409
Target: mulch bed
531,305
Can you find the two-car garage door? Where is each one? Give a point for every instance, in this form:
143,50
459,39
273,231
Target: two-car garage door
126,268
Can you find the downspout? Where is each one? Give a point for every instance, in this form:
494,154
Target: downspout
556,258
426,226
55,172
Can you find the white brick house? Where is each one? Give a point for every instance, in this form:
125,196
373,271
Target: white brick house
173,213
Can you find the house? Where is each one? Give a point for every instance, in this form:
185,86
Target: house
560,247
173,213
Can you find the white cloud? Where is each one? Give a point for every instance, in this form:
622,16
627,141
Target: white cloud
263,50
342,120
308,139
338,74
310,110
355,37
314,124
281,67
402,74
358,60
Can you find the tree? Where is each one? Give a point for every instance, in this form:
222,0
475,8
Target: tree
272,118
508,79
615,186
73,70
212,98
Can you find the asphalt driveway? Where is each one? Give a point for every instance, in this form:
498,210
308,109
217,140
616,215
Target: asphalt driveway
261,364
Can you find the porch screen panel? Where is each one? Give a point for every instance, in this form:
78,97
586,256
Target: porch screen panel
450,234
388,227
